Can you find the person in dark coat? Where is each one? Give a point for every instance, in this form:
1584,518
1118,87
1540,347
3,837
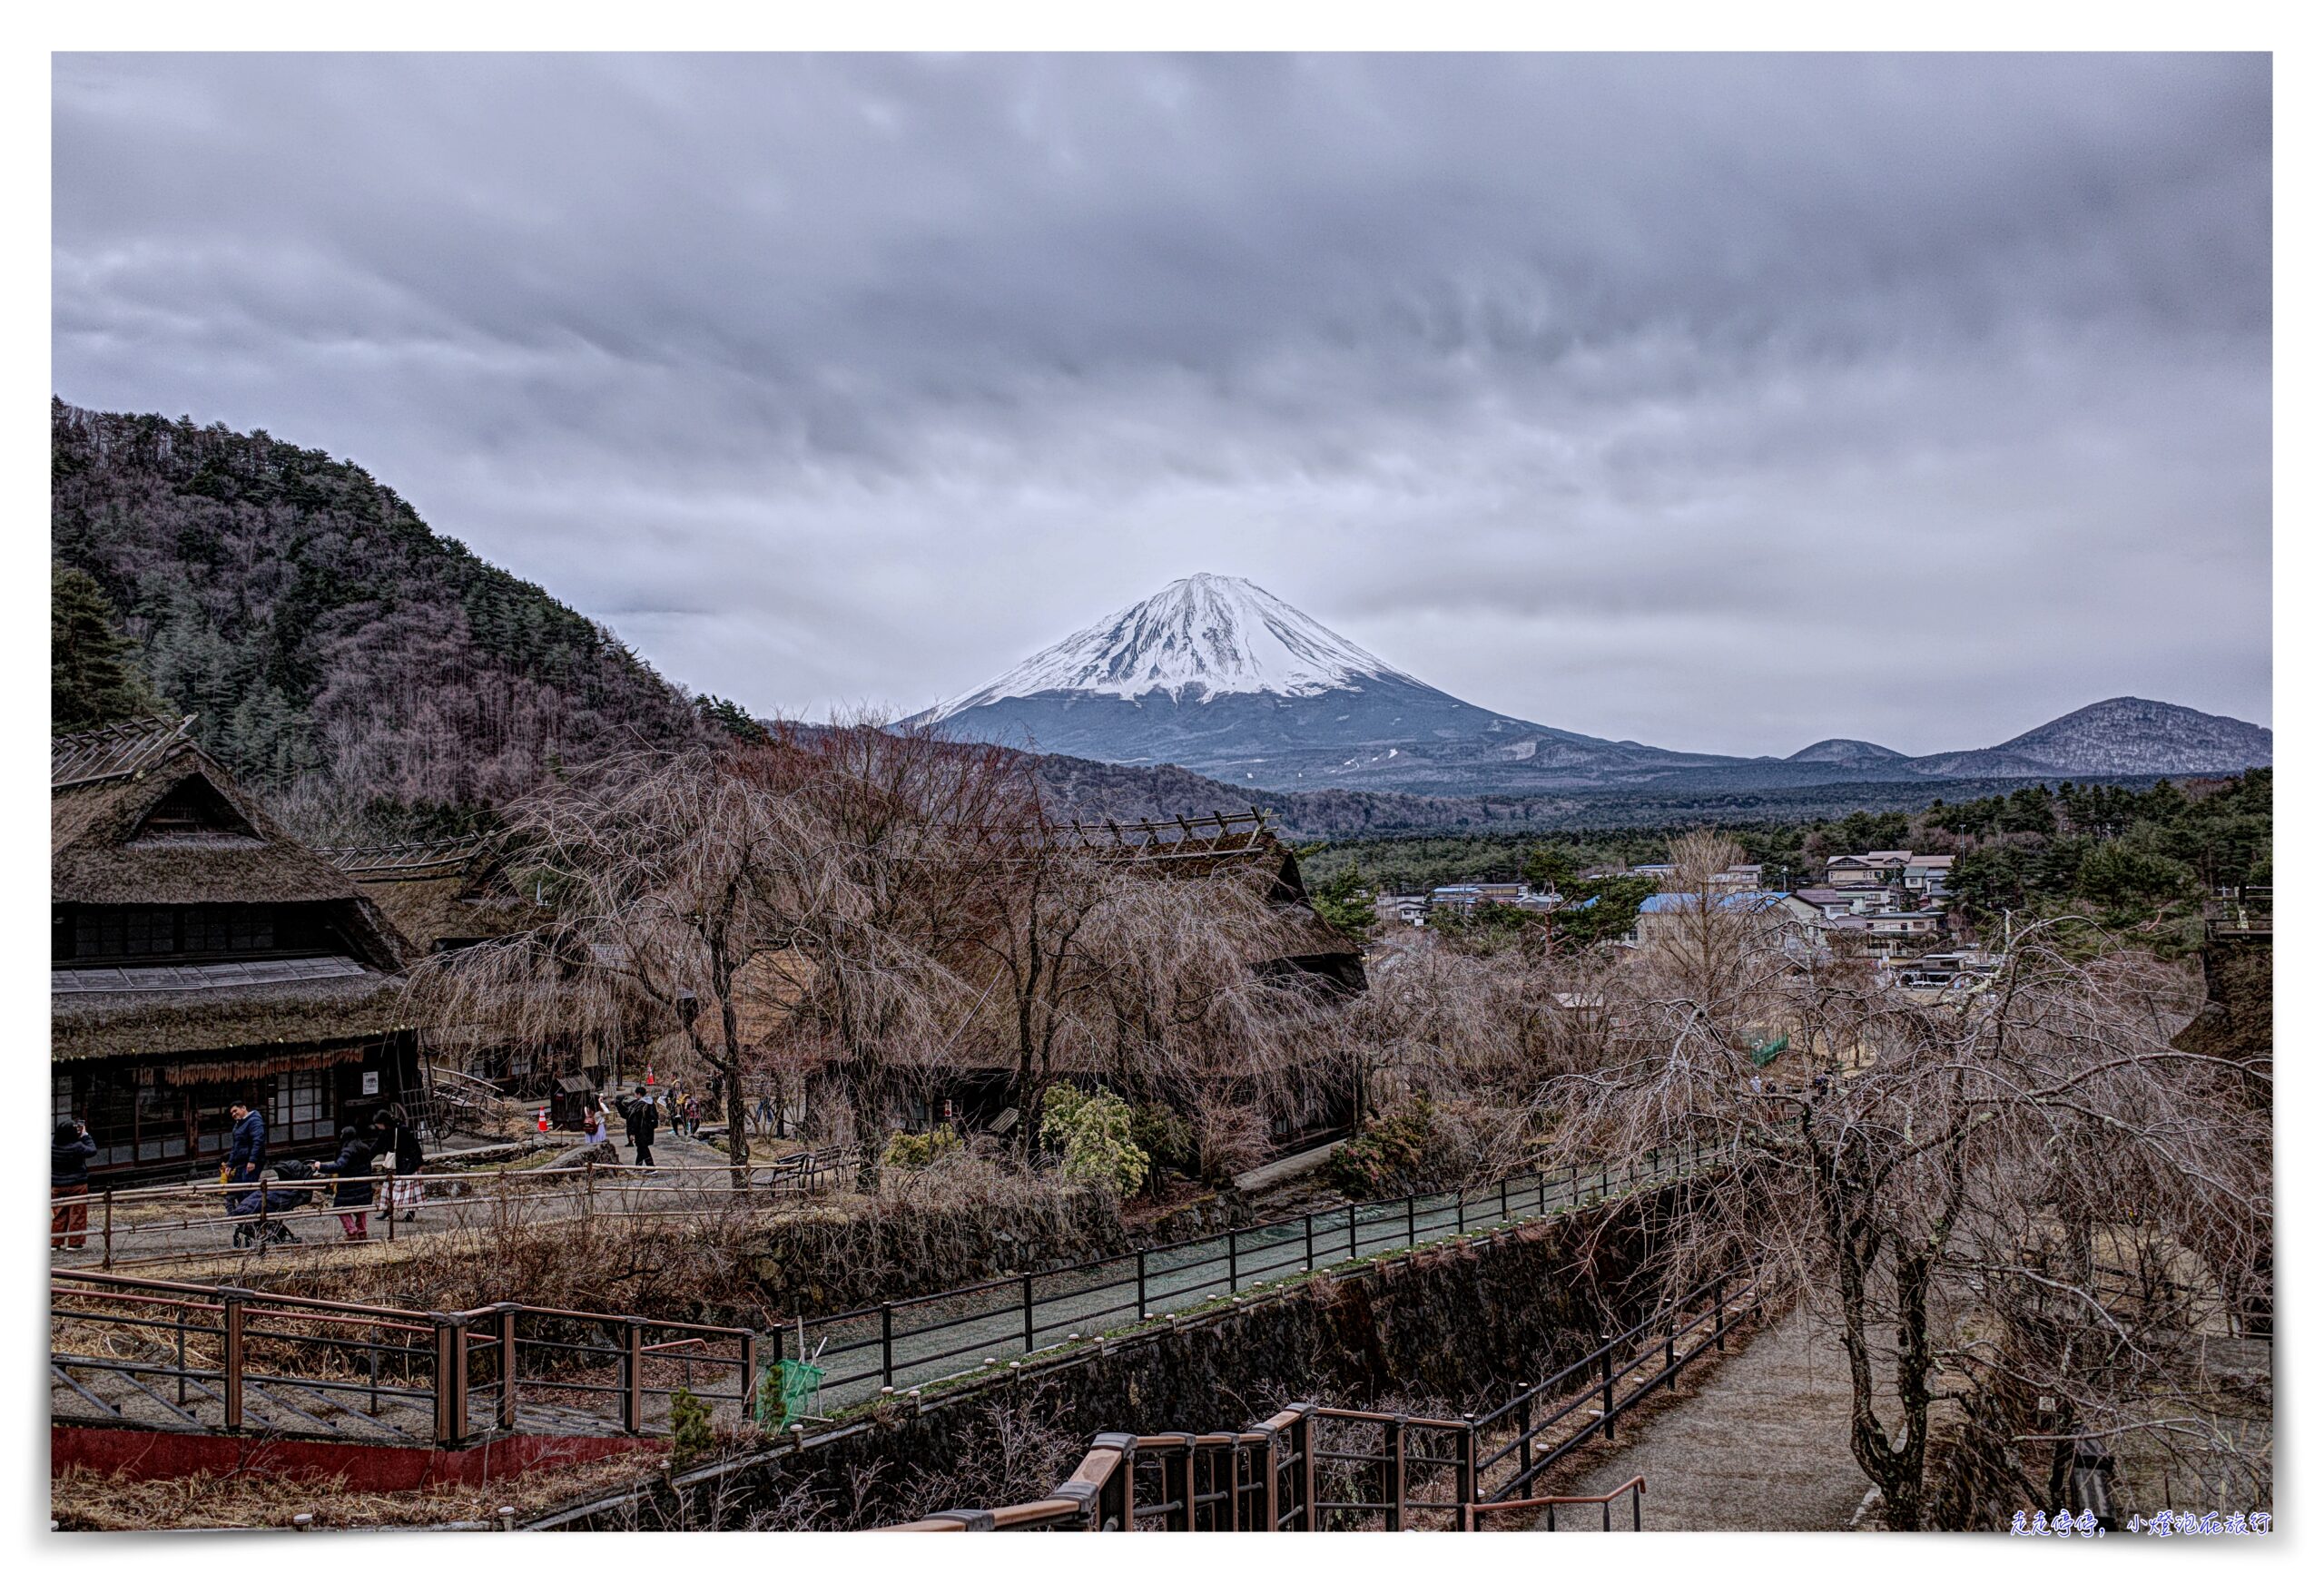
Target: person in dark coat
399,1143
246,1153
642,1118
352,1197
69,1154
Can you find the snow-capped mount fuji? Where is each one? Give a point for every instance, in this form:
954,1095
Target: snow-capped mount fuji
1201,636
1218,676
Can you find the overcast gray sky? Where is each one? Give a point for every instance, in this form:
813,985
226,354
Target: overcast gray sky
1719,403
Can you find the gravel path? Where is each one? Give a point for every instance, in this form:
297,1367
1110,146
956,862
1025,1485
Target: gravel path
1761,1446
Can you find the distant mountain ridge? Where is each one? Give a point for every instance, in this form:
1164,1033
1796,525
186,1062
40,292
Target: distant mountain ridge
1217,676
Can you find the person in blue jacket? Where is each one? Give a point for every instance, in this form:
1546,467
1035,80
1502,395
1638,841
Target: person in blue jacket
246,1153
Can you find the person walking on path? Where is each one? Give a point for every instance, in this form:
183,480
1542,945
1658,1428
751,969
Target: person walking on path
693,1115
246,1152
352,1197
69,1154
400,1141
642,1117
766,1115
593,1121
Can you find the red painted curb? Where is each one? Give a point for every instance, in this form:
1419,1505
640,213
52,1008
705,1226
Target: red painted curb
136,1453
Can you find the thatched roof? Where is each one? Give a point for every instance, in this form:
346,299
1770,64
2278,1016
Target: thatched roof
1231,843
230,1007
139,815
107,847
1195,847
768,989
441,891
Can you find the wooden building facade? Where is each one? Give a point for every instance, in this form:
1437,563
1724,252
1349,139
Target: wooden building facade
200,955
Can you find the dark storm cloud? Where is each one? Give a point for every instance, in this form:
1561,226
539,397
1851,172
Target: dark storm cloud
1723,403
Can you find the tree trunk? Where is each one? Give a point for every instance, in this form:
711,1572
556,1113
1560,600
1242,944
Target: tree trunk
870,1131
738,1139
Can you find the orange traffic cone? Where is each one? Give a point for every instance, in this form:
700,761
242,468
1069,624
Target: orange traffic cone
540,1122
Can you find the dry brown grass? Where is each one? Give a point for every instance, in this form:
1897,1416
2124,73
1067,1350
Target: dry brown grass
83,1501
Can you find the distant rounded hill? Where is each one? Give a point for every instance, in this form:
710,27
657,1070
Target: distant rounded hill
1843,749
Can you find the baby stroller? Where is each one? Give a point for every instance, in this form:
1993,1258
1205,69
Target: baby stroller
280,1198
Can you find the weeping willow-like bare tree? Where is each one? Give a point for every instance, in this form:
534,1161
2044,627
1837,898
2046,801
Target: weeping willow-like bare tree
1955,1183
879,886
1187,1010
660,876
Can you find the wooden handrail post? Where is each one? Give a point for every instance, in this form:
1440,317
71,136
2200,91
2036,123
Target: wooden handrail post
1311,1240
1464,1471
1350,1230
1026,1280
1394,1433
1411,1219
1113,1510
1266,1514
1234,1276
389,1191
508,1414
1178,1486
107,1263
229,1307
1306,1431
632,1376
1142,1315
887,1343
451,1379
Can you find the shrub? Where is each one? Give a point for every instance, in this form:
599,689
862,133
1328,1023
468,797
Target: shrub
916,1151
1093,1132
1408,1150
690,1437
1164,1137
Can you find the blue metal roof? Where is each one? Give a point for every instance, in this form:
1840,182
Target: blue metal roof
1739,901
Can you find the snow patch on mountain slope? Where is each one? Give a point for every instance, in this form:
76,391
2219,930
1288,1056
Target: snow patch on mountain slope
1201,637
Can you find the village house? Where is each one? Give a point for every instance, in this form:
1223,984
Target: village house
1928,873
201,956
1870,868
1466,898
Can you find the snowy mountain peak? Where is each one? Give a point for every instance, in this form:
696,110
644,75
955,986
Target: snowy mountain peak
1202,637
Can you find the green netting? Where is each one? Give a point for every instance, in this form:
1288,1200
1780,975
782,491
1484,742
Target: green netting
786,1392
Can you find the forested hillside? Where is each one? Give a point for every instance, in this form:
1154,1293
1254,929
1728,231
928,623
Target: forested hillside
372,676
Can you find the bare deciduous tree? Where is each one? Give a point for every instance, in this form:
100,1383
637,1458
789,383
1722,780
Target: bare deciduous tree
1943,1177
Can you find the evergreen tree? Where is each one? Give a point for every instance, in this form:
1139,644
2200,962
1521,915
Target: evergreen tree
1345,901
94,678
726,714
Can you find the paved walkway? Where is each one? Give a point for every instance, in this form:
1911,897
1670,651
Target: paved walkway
1762,1445
157,1231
